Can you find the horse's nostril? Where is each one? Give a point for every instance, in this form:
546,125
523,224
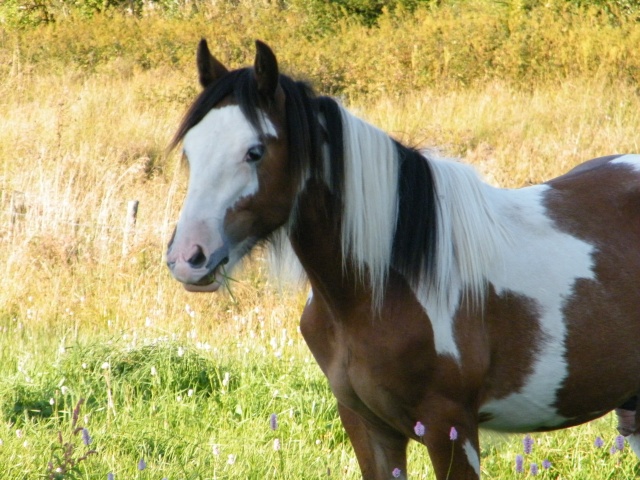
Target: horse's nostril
198,258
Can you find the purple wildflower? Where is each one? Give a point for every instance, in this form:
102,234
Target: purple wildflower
110,476
519,464
620,443
546,464
142,464
453,434
86,438
419,429
613,450
527,443
273,421
599,443
534,469
396,472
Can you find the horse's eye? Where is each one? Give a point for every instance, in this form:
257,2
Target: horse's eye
255,154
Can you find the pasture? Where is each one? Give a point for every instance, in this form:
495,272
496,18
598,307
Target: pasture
188,383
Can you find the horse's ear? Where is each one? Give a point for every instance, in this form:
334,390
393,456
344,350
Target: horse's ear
209,69
265,69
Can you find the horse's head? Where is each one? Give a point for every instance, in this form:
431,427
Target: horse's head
240,188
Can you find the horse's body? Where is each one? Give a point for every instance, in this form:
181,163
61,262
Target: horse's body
435,298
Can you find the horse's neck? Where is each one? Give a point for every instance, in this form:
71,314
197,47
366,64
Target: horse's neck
316,241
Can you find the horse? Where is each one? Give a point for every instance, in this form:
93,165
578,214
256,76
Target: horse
438,304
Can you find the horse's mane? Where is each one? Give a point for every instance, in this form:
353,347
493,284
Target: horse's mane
399,209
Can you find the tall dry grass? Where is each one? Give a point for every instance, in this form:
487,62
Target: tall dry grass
75,150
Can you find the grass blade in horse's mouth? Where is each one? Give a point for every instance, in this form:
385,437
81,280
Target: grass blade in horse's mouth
210,276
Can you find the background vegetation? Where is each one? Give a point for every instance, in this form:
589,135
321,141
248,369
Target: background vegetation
90,94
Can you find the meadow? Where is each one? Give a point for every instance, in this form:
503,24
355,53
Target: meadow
108,369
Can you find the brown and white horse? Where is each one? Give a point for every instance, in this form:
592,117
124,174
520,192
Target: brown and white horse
436,298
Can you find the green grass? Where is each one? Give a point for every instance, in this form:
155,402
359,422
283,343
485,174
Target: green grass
187,405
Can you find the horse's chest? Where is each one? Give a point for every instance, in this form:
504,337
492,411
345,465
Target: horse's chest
349,376
373,368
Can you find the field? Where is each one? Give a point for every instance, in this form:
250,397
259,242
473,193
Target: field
107,366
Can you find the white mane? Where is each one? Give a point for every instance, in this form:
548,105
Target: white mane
469,233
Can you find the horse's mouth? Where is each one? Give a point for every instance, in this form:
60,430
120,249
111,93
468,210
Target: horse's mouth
211,281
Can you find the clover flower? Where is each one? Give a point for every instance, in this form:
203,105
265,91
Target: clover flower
546,464
453,434
396,472
598,443
419,429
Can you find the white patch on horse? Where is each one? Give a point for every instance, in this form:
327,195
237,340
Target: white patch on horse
631,160
219,175
634,443
470,238
472,456
542,264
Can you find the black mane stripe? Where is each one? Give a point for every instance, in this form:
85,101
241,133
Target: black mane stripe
317,120
414,243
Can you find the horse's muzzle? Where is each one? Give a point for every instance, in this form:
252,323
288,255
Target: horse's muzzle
195,271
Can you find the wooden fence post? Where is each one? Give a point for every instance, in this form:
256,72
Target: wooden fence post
129,225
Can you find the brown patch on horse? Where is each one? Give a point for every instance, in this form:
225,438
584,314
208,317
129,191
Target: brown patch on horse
515,338
499,346
604,314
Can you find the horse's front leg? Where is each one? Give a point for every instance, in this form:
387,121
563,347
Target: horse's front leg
380,450
454,451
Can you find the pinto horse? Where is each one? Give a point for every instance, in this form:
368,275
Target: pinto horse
437,301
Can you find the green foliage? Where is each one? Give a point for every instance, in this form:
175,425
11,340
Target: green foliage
384,51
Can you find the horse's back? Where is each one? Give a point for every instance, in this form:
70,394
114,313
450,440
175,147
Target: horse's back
574,270
611,176
599,201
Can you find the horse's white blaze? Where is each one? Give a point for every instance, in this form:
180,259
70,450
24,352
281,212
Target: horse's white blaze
472,456
631,160
542,264
219,177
